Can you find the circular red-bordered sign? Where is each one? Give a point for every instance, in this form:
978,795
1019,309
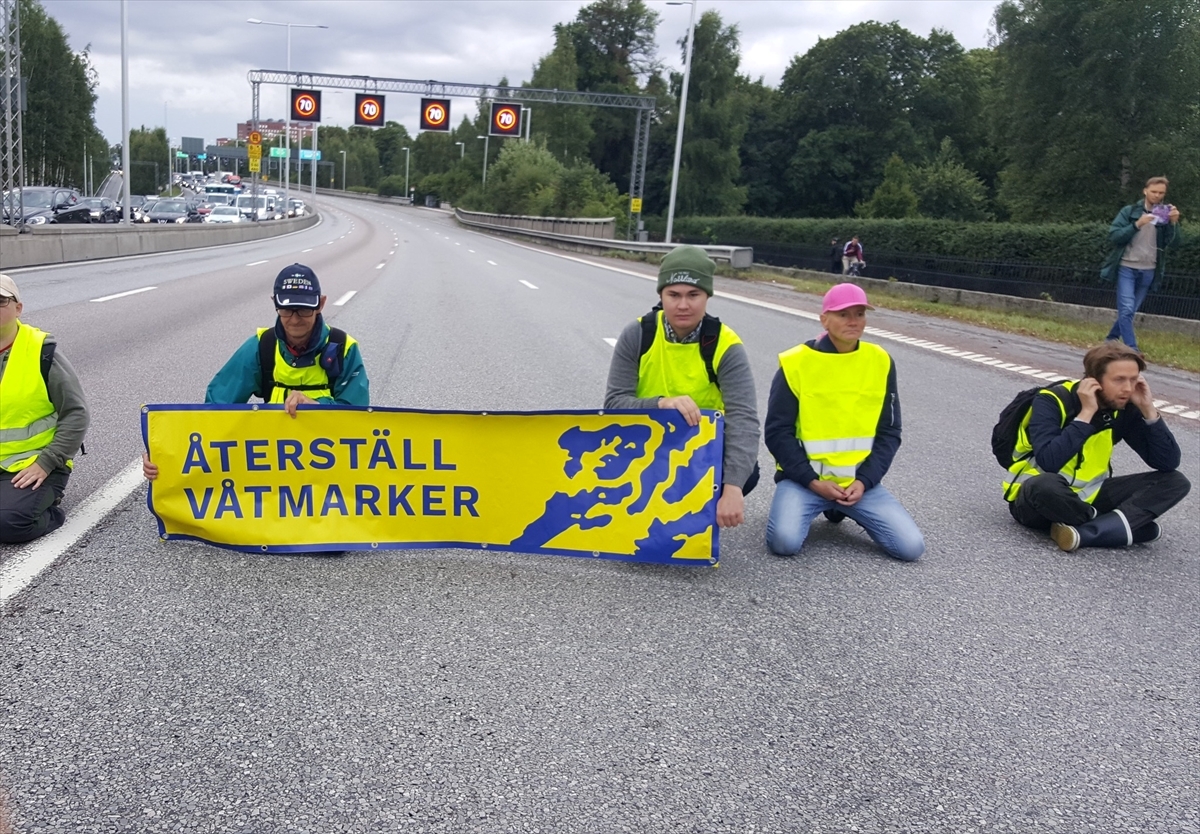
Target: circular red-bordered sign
369,109
306,105
435,114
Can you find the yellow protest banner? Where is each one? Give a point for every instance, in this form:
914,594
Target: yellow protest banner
637,486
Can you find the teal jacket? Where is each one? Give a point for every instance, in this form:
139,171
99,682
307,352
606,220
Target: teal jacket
1123,229
239,379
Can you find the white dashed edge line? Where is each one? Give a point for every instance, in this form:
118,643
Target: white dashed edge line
948,350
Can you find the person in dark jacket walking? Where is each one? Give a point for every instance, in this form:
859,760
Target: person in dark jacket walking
835,257
1140,235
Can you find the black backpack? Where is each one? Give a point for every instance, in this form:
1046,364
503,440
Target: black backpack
710,334
1008,426
330,360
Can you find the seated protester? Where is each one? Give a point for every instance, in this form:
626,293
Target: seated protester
1061,478
43,418
301,361
833,425
677,356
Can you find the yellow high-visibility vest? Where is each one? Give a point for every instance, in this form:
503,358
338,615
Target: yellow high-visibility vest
28,420
670,369
311,380
1085,472
840,396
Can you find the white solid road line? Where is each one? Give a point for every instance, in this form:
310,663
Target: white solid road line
19,571
123,294
341,301
1024,370
256,263
526,283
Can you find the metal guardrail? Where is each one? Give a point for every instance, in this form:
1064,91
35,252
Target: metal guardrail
739,257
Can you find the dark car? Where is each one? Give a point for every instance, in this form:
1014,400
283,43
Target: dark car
44,204
103,210
171,211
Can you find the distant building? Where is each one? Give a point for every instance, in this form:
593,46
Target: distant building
272,129
220,143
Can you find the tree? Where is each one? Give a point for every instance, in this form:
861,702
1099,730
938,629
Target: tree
715,125
148,159
764,150
565,129
947,190
61,100
614,42
894,197
1092,99
871,91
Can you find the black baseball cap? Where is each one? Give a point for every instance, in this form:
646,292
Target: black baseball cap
297,286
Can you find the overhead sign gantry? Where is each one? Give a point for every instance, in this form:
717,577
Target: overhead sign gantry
436,94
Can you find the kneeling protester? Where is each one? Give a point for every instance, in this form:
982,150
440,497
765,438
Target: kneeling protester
833,425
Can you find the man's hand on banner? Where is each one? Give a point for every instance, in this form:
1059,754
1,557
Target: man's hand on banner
296,398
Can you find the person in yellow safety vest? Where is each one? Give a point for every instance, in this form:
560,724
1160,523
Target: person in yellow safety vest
833,425
301,361
679,357
1061,480
43,418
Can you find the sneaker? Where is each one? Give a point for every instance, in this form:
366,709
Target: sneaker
1065,536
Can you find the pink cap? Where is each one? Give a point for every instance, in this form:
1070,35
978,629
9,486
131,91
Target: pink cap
842,296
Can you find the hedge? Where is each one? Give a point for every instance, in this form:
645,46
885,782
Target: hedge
1060,244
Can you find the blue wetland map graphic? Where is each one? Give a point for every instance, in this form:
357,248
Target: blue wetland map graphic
618,448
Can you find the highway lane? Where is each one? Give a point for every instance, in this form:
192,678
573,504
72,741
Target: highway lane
996,685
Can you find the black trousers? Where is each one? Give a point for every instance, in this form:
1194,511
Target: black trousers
28,513
1047,498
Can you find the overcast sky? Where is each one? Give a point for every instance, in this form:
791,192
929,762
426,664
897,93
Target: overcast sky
188,59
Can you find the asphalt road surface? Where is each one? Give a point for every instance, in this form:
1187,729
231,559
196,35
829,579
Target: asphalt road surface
996,685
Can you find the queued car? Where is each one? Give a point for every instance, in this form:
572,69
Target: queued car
46,204
224,214
254,208
296,208
102,209
170,211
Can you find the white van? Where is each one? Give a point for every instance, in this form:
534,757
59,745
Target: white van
253,208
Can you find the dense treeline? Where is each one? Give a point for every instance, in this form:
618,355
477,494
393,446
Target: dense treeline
59,130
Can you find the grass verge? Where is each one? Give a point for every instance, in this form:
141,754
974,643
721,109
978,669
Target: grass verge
1170,349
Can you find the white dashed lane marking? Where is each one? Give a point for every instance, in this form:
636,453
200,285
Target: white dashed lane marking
526,283
256,263
345,298
123,294
611,341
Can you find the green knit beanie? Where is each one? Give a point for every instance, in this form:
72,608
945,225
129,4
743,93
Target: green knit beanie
687,265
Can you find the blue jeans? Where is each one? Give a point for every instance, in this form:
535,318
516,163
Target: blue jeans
887,523
1132,287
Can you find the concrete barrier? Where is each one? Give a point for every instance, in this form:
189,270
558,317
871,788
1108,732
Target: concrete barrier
739,257
50,244
591,227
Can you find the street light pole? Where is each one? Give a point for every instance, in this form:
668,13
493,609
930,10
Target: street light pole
687,73
343,153
485,155
462,149
406,157
287,160
125,173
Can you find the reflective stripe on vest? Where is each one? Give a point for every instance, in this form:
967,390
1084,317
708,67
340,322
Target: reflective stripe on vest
28,421
1086,472
288,377
840,396
670,369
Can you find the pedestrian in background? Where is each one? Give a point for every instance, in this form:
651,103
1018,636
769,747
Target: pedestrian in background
852,254
1140,235
43,418
835,257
